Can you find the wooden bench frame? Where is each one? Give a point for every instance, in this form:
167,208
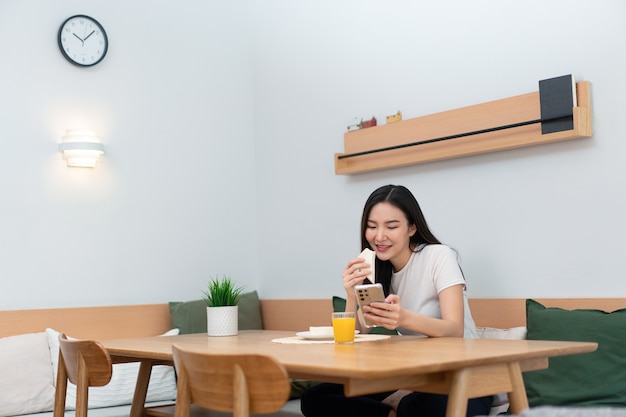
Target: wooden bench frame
278,314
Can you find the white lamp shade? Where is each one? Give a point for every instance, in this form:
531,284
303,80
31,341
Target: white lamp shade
81,148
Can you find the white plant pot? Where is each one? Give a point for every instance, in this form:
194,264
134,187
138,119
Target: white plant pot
222,321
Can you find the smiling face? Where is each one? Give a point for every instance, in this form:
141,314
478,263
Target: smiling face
388,233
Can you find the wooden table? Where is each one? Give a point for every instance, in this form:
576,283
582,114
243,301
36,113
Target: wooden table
461,368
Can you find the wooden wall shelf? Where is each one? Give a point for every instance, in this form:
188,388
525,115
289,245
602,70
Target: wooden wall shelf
478,117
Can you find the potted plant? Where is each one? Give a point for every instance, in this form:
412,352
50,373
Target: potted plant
221,297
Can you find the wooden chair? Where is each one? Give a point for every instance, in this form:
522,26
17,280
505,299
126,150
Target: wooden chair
85,363
238,384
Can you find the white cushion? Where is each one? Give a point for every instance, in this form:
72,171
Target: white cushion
26,381
121,388
514,333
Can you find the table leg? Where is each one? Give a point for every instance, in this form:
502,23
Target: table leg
517,397
458,396
484,380
141,389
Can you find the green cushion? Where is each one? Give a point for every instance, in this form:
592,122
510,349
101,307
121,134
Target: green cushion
339,304
298,386
190,316
597,378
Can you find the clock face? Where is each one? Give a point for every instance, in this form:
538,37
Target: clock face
83,41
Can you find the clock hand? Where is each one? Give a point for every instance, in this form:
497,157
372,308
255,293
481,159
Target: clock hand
83,42
92,32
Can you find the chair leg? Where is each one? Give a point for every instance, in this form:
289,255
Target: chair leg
183,399
241,398
82,389
61,389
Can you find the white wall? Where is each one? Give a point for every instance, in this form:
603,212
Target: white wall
542,221
220,139
171,203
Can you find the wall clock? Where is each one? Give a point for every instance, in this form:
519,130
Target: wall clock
83,41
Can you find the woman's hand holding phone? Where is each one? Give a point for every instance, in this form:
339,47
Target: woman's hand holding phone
386,313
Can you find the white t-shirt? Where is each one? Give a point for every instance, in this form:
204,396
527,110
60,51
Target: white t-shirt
418,284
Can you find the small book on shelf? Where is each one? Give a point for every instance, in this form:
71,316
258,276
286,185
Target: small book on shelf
557,97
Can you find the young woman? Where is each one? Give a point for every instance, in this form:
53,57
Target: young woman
425,294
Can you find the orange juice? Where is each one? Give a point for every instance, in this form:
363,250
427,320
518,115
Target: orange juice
343,327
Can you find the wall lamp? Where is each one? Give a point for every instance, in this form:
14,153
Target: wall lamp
81,148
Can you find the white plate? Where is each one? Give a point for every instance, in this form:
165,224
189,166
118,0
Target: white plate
317,336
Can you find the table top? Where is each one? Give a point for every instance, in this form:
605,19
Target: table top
392,357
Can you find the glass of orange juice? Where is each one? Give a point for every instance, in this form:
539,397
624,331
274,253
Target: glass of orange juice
343,327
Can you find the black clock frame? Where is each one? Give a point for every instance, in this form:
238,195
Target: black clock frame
104,34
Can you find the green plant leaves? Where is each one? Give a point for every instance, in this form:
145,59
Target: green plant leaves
221,293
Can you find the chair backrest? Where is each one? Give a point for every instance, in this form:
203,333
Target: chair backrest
85,363
241,384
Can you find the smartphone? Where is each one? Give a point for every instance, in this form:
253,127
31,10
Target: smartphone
367,293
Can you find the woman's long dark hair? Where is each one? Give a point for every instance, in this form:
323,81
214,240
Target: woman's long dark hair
403,199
